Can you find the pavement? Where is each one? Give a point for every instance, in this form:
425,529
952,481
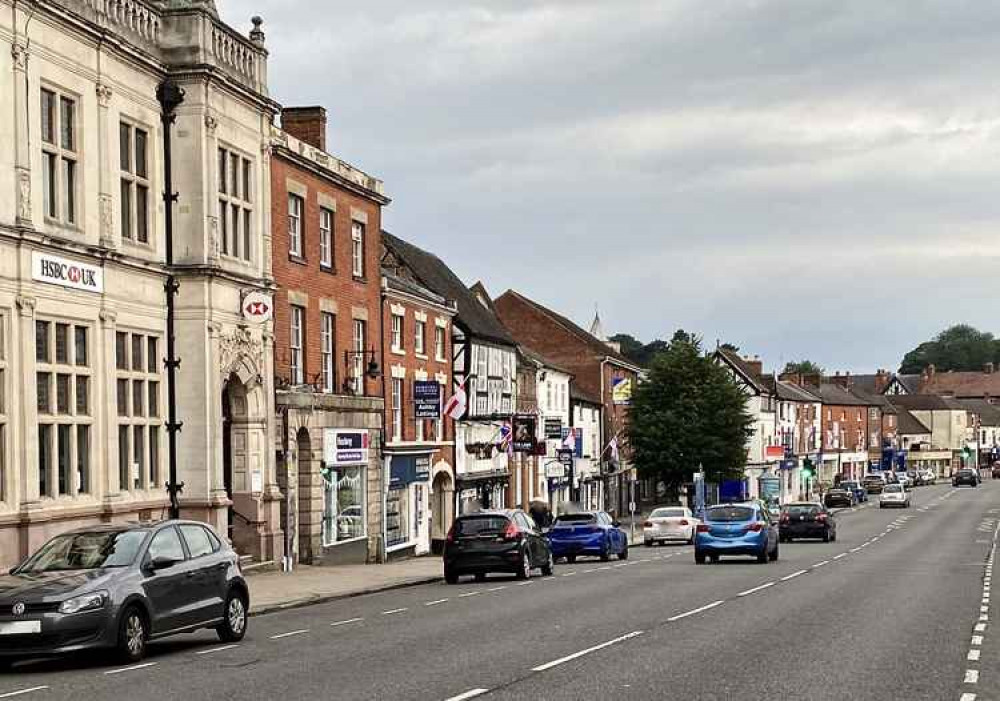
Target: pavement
305,585
898,608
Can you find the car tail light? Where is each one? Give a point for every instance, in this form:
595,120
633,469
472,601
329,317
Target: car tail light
755,527
703,528
511,532
451,534
785,518
684,522
820,517
647,524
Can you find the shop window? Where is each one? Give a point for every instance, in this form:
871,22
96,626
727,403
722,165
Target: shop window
344,505
138,398
62,385
397,522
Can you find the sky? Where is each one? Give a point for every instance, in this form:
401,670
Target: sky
802,178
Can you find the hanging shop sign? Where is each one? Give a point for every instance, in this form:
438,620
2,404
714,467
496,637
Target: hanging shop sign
621,390
257,307
64,272
553,429
525,429
343,446
427,399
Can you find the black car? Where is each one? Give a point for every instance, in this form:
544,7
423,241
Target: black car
806,520
839,495
495,541
965,476
874,484
119,586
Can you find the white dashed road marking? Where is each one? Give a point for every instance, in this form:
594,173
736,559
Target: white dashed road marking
132,668
793,575
581,653
748,592
972,676
973,655
393,611
435,602
470,694
289,634
216,649
19,692
837,557
349,620
692,612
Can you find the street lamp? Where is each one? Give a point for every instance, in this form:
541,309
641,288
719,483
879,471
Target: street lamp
372,371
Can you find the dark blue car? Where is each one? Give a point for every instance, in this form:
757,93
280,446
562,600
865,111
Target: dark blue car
587,533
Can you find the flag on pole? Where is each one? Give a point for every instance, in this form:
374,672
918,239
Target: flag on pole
505,442
456,404
613,447
569,442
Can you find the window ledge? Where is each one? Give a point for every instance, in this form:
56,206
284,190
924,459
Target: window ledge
299,260
328,269
398,351
360,278
421,356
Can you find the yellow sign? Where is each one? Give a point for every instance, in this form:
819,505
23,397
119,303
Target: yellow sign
621,390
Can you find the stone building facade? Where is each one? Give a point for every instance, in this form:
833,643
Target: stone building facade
83,267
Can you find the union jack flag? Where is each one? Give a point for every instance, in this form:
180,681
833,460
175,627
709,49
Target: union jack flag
505,441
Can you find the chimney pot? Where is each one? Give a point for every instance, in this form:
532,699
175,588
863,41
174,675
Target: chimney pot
306,124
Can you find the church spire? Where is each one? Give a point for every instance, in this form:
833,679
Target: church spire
596,327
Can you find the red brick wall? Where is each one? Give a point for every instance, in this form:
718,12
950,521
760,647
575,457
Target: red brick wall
305,276
856,417
412,363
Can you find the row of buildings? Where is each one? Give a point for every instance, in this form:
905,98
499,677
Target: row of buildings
809,428
200,313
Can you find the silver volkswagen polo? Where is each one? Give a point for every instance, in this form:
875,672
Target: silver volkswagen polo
119,586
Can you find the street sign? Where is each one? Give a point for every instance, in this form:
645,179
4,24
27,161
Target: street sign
427,399
257,307
345,446
565,456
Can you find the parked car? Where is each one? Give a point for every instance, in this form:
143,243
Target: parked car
860,493
839,495
874,483
587,533
120,586
965,476
669,523
495,541
736,529
894,495
925,476
806,520
995,472
903,479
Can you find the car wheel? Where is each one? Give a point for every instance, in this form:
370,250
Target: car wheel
623,555
714,559
833,537
826,536
132,635
773,557
763,556
647,543
570,559
234,623
524,572
450,577
699,558
691,539
549,566
480,576
606,551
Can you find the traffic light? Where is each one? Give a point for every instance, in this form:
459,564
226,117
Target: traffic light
807,468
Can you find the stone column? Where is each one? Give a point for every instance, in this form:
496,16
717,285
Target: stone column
105,407
211,180
105,202
22,154
28,472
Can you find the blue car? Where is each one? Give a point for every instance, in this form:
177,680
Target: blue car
587,533
860,493
736,529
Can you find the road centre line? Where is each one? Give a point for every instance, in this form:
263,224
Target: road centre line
216,649
289,634
692,612
748,592
980,627
393,611
823,562
468,594
837,557
967,697
470,694
977,640
793,575
581,653
349,620
500,588
435,602
569,574
20,692
972,676
132,668
973,655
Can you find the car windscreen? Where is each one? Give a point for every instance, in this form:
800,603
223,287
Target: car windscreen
567,519
849,485
729,513
86,551
801,509
893,488
480,525
667,513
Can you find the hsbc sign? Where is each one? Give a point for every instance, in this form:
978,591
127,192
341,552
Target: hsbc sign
66,273
257,307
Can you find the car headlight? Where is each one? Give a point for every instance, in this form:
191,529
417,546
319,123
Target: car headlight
86,602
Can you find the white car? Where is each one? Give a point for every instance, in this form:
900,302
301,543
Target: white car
669,523
894,495
927,476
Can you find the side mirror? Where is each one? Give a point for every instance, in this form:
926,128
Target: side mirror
161,562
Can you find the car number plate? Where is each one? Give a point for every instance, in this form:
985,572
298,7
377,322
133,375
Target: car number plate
20,628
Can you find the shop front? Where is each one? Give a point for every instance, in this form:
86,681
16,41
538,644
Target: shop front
407,506
482,490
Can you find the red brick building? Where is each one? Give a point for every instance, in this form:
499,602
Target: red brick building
420,452
325,246
598,369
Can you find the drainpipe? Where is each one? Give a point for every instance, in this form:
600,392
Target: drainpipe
383,548
170,95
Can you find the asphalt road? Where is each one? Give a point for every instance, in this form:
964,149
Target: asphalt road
897,608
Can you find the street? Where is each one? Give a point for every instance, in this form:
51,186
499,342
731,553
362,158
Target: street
897,608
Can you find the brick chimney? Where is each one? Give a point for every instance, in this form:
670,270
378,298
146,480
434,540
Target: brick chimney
882,378
306,124
843,381
755,364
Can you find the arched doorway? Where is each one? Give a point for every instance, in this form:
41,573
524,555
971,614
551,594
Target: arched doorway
234,406
442,509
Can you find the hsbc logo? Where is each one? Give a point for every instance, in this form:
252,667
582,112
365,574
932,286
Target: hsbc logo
66,273
257,307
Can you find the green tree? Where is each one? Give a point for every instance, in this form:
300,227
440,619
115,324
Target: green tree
959,347
688,412
629,344
804,367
